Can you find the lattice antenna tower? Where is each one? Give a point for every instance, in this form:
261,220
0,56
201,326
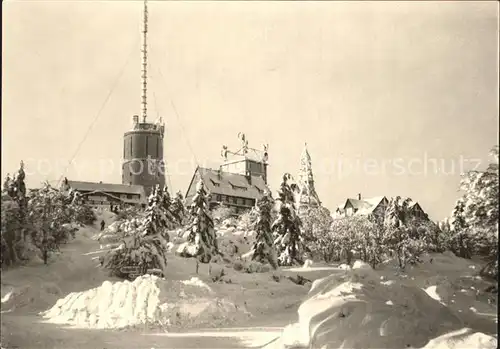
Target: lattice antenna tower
145,62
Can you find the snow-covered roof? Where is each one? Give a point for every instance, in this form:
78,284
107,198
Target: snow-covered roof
231,184
107,187
357,204
364,206
375,200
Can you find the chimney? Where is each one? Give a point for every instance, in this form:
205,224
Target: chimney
359,196
249,177
219,173
136,119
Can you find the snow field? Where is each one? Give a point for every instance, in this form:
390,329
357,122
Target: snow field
355,308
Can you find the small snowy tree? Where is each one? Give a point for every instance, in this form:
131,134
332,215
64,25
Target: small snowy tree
474,220
263,250
202,240
288,240
39,220
79,212
144,246
11,226
316,226
357,236
50,211
178,207
223,213
373,249
247,220
399,235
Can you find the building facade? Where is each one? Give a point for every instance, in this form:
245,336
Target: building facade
232,190
239,181
375,206
107,195
143,162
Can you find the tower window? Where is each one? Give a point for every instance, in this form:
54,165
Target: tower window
147,138
131,144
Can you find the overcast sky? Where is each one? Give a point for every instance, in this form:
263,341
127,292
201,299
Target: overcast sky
377,90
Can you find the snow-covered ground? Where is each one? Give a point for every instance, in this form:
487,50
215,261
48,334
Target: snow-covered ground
430,305
360,307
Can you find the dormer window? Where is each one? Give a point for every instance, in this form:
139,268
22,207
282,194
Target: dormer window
216,184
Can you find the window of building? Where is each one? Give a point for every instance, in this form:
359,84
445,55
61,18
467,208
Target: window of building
131,144
219,198
147,143
235,200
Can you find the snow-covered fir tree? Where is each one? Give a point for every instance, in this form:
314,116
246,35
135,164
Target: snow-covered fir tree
288,240
15,187
38,220
263,250
306,196
178,207
158,216
145,243
202,240
14,211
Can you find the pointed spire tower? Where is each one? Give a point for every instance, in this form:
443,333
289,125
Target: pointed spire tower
306,197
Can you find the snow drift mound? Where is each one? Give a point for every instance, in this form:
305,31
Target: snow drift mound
461,339
112,305
353,308
147,300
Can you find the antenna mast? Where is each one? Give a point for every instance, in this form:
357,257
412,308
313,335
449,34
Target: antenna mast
145,63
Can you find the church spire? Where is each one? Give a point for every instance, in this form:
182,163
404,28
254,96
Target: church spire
307,196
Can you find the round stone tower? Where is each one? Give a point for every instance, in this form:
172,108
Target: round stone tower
143,155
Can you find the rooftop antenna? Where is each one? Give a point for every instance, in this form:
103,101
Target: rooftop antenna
145,63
